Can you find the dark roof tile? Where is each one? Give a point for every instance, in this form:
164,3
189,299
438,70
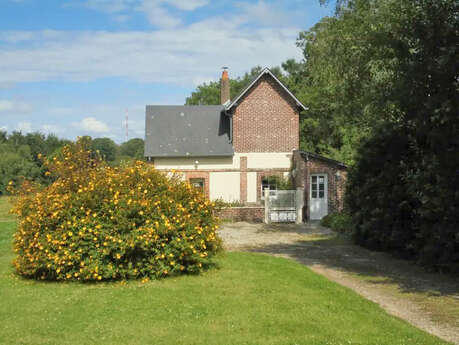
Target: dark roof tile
187,131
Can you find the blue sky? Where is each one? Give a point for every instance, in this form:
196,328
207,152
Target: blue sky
73,67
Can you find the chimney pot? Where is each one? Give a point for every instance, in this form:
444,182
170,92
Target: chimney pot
224,87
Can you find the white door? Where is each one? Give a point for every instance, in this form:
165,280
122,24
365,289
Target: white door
318,196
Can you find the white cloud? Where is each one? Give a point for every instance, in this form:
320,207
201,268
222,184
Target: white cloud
178,56
91,124
14,107
187,5
24,127
6,105
158,15
156,11
264,13
3,128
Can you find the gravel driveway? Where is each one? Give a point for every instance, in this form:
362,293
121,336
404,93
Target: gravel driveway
426,300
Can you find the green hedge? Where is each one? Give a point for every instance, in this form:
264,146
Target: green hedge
403,203
339,222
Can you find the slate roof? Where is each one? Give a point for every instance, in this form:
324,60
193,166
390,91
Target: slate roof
187,131
306,155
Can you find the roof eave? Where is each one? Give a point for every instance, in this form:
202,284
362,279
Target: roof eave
155,155
317,156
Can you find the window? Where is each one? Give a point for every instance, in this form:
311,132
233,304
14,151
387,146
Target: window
197,183
271,184
317,187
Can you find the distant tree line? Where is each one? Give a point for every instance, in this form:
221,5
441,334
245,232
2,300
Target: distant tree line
380,79
21,155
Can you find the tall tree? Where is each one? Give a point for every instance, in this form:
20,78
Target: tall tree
402,192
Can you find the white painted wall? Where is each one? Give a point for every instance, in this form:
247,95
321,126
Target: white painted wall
268,160
225,185
251,187
189,163
255,160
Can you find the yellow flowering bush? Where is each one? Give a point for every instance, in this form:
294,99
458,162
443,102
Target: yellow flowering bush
97,222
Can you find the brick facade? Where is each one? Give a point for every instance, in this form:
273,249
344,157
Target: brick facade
307,164
266,119
261,173
245,214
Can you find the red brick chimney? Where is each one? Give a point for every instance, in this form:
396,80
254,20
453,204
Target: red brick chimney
224,86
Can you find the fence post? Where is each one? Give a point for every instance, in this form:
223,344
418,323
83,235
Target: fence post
267,206
299,205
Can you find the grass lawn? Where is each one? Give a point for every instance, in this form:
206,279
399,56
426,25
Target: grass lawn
248,299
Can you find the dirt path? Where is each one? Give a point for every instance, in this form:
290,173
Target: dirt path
426,300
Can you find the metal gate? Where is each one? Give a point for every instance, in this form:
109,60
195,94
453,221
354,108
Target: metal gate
282,206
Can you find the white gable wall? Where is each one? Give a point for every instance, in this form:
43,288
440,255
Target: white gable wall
255,160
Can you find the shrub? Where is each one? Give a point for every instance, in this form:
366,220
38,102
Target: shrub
339,222
405,201
96,222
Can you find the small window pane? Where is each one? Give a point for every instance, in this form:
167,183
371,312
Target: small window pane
314,186
321,187
321,179
197,183
314,194
314,179
321,194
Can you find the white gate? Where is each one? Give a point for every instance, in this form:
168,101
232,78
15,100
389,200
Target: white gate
282,206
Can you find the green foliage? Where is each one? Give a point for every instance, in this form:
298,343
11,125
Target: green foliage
132,148
220,203
209,93
281,182
106,147
16,167
340,222
402,192
20,154
95,222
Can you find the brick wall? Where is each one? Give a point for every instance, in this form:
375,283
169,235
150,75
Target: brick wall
242,214
336,176
266,119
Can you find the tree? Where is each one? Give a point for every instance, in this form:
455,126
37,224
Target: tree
106,147
402,193
132,148
16,166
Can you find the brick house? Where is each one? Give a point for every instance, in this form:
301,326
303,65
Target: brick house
231,151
